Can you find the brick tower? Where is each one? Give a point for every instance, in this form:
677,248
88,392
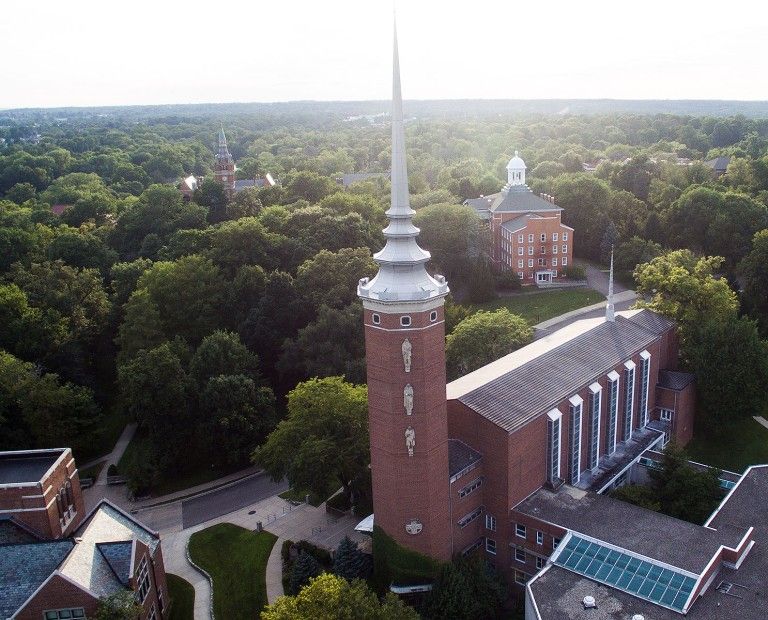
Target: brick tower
405,351
224,168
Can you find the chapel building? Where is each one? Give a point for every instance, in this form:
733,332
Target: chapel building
527,234
513,461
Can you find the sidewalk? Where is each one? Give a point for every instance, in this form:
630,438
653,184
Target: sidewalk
117,453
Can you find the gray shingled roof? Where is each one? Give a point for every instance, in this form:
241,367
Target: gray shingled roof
460,456
118,556
517,223
23,568
14,532
521,198
675,380
525,392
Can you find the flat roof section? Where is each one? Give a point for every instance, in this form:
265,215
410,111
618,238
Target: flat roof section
27,466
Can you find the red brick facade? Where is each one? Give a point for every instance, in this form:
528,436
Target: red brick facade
409,490
58,593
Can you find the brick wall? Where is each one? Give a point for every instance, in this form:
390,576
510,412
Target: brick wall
58,593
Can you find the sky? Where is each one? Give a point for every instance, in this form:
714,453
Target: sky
88,52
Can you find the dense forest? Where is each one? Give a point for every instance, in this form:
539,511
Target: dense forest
121,300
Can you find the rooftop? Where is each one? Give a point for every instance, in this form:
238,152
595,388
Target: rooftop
513,198
520,386
27,466
675,380
460,456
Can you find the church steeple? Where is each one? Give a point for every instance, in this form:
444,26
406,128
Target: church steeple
402,275
223,155
224,166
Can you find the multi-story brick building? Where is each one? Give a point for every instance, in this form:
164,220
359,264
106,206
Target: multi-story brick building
57,562
527,234
512,461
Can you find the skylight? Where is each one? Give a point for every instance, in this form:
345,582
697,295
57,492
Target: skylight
657,583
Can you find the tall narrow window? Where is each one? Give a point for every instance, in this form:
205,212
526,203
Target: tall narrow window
575,438
553,445
595,393
645,371
613,411
629,398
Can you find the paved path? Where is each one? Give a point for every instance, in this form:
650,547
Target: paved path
761,420
117,453
275,572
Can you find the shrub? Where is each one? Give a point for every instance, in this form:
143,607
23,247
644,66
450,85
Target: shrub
112,470
575,272
304,568
507,281
349,562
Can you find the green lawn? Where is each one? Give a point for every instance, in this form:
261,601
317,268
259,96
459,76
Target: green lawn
236,559
543,305
735,446
182,595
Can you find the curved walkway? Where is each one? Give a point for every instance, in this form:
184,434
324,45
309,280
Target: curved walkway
176,562
275,572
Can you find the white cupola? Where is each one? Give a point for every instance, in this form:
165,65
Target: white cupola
516,171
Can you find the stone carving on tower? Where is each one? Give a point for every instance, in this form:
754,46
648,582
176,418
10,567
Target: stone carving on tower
414,526
408,399
410,440
407,348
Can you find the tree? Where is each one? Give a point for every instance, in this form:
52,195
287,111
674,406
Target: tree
119,606
484,337
349,562
329,596
212,196
639,495
633,252
684,288
754,270
731,367
466,590
222,353
305,567
610,237
330,278
310,186
245,203
684,492
323,441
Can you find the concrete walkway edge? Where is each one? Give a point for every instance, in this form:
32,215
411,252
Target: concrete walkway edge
618,298
274,574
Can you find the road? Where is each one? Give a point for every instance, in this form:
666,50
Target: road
234,497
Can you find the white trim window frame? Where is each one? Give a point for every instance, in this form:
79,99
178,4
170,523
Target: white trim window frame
539,537
490,522
645,374
576,406
490,546
554,421
613,412
629,398
595,397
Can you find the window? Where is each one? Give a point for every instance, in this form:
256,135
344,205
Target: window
555,542
593,456
469,517
564,262
490,546
565,248
520,554
543,250
554,236
433,316
629,398
539,538
520,238
520,263
565,236
542,262
160,599
520,530
143,581
405,321
645,371
530,250
152,613
475,545
553,445
530,273
520,577
554,273
490,523
530,262
530,238
613,411
543,236
520,274
554,261
64,614
665,415
539,563
575,438
520,251
376,319
554,249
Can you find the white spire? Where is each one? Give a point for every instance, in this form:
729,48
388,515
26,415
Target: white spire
402,276
609,310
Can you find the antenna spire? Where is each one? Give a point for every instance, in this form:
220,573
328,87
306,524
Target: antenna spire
610,314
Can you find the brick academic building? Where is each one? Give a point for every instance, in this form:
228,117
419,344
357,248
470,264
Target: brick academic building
512,461
56,562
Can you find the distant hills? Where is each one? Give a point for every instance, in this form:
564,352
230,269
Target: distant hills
423,108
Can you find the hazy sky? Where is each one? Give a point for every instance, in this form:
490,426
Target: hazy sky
88,52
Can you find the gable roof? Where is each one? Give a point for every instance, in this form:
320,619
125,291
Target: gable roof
24,568
522,385
13,531
118,555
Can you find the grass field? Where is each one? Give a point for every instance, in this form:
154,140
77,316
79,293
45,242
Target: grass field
735,446
182,596
543,305
236,559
